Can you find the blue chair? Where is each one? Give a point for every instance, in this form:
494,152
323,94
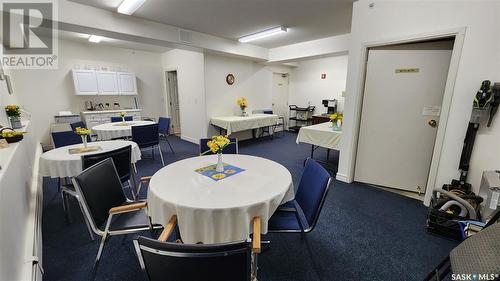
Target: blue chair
164,130
61,139
301,214
230,149
78,124
119,119
147,136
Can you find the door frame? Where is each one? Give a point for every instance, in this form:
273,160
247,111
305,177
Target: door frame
167,94
285,126
458,35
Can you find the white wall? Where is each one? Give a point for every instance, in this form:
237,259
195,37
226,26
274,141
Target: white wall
191,89
479,61
6,99
252,81
306,85
46,92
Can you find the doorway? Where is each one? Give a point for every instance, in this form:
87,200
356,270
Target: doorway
404,89
173,101
280,96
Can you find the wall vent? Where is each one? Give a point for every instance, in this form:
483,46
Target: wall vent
185,36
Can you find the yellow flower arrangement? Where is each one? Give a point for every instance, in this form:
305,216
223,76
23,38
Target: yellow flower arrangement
122,114
82,131
10,134
336,117
13,110
217,144
242,103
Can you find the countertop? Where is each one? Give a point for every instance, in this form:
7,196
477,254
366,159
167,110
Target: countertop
110,111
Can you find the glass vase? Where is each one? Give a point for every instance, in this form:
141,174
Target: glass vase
15,122
220,166
84,140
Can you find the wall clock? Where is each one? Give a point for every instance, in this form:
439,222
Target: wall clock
230,79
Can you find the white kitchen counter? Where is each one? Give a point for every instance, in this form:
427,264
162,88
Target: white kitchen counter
110,111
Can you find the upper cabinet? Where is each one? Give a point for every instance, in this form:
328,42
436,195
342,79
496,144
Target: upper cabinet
91,82
107,83
127,83
85,82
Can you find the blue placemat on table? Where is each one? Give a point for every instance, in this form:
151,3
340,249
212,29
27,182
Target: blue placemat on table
229,171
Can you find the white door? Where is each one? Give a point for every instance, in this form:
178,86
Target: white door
127,83
404,90
173,101
280,95
85,82
107,83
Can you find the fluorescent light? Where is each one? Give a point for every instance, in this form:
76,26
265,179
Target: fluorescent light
95,39
128,7
263,34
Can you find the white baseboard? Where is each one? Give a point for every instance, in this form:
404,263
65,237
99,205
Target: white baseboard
343,178
190,139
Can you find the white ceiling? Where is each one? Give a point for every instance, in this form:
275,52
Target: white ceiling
231,19
84,38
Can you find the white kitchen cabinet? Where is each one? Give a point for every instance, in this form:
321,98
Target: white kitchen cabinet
92,82
127,83
107,83
85,82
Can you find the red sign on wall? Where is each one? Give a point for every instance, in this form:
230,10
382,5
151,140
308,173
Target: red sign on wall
323,76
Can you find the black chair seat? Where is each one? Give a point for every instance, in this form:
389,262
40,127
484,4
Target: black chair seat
129,220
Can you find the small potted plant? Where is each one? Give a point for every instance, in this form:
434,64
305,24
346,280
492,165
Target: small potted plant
122,115
242,103
14,113
336,120
217,145
83,133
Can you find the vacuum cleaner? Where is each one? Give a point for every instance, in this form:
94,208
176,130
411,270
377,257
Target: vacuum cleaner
456,202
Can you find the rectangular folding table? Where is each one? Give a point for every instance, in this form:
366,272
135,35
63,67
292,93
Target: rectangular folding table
320,135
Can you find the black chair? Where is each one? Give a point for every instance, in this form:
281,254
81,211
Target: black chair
106,206
66,138
164,130
160,260
119,119
78,124
122,160
147,136
232,148
301,214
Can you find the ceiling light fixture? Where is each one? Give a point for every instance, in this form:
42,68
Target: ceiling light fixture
263,34
128,7
95,39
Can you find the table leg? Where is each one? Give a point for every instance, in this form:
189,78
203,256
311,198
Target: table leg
253,133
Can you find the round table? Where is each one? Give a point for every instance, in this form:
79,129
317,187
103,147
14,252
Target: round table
115,130
212,211
59,163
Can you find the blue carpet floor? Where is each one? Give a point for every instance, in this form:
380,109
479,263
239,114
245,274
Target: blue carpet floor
363,233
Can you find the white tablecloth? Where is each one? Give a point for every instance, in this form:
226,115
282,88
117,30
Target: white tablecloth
218,211
321,135
117,129
58,163
240,123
